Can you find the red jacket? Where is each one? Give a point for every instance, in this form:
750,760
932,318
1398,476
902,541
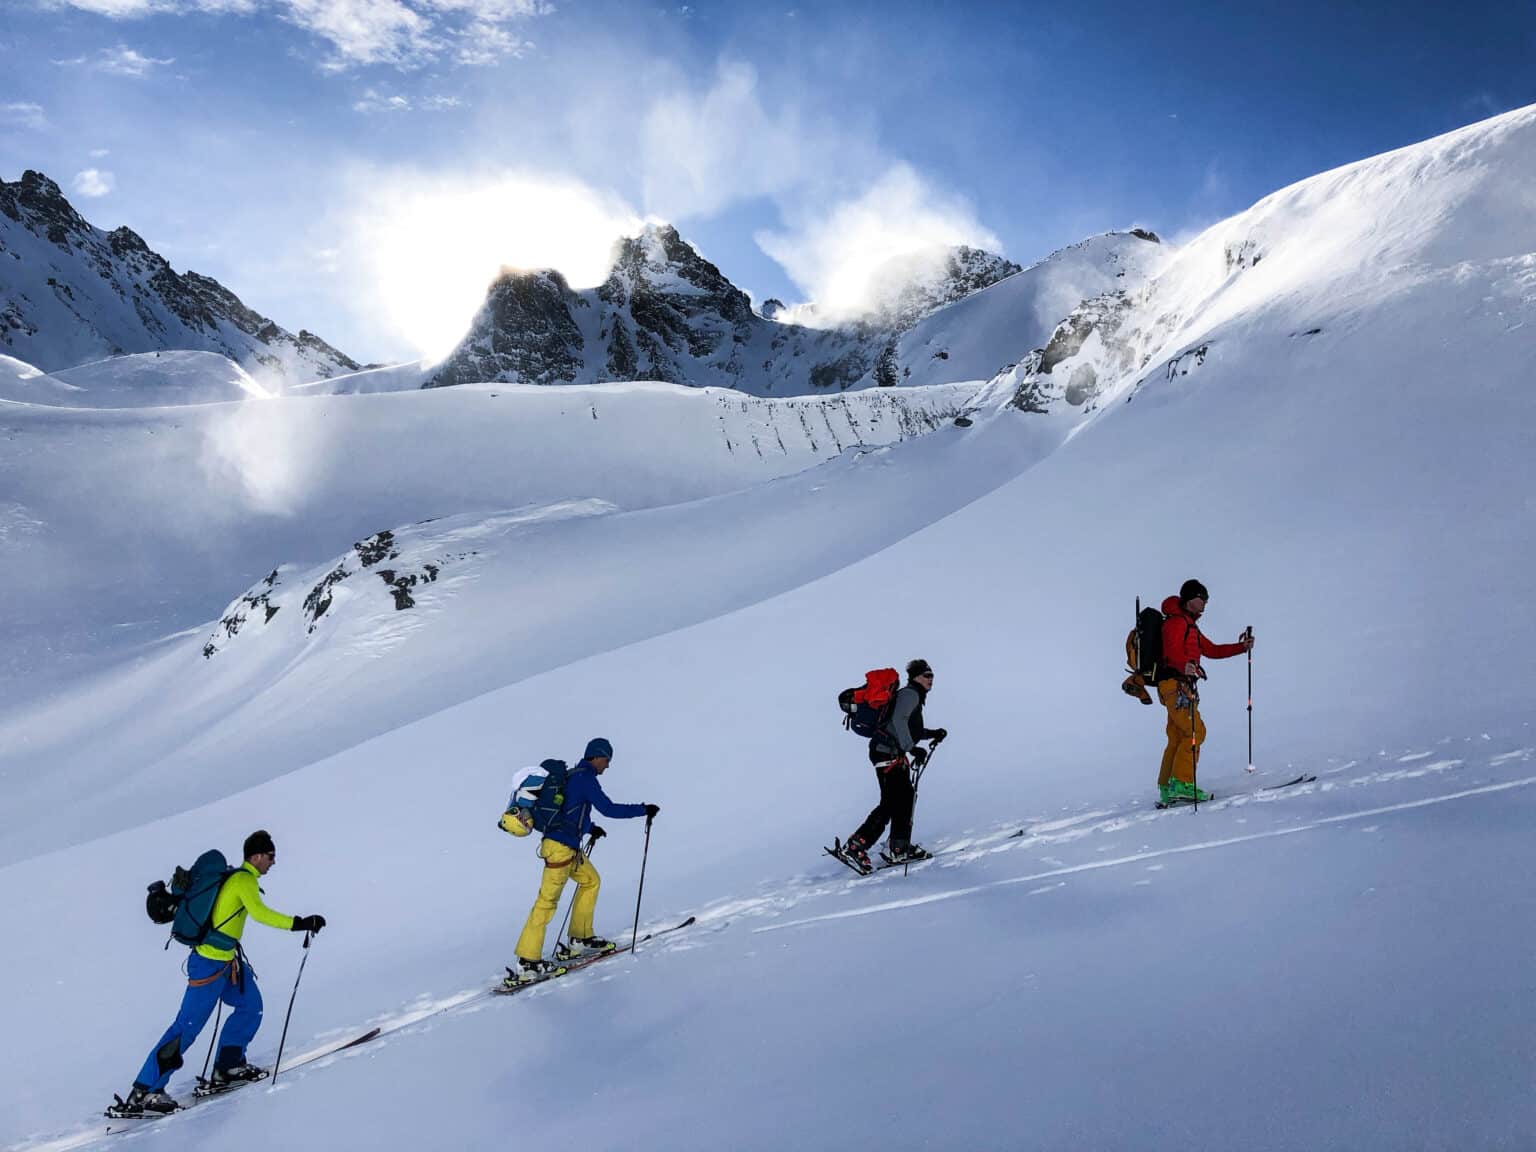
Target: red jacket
1184,643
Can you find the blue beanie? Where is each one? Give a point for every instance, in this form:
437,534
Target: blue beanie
596,747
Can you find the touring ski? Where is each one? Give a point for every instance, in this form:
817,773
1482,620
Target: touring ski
1304,778
511,985
1181,801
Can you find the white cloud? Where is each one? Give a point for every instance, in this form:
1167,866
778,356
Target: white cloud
373,100
424,248
125,61
404,33
119,61
93,182
98,153
833,254
704,150
23,115
848,207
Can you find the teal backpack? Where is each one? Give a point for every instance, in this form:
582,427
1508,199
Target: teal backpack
187,906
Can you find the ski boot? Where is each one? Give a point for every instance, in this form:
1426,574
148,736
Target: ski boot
581,947
908,855
1182,792
235,1074
141,1102
530,972
854,854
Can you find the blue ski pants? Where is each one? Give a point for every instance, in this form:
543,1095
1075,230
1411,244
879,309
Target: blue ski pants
208,982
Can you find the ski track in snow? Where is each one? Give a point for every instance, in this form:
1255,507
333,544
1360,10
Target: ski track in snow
428,1011
1138,857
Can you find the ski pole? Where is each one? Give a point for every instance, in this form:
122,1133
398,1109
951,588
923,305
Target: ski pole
591,844
634,935
1194,750
278,1063
1250,697
207,1060
916,780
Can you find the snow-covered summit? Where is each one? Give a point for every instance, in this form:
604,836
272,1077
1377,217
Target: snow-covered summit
1302,263
71,293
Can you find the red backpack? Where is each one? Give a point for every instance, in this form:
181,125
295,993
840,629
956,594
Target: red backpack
866,708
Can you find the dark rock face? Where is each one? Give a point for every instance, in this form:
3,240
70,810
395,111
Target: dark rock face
523,332
111,294
666,313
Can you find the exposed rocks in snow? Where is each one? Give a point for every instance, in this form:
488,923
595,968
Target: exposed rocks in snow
258,599
419,564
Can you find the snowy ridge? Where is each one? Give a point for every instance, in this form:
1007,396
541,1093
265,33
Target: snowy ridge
71,293
666,313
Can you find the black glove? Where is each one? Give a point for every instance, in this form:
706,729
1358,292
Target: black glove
939,734
919,756
652,811
308,923
596,834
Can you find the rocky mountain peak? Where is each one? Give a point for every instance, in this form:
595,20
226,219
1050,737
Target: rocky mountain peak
37,203
76,293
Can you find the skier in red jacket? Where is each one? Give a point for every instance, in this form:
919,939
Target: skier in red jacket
1178,677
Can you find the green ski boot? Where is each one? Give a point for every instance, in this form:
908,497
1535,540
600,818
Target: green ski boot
1181,792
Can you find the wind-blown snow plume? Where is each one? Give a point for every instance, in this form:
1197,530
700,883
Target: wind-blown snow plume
835,256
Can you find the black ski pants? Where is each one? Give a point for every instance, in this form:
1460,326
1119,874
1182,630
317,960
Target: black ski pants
895,807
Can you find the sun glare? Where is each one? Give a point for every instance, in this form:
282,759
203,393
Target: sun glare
433,246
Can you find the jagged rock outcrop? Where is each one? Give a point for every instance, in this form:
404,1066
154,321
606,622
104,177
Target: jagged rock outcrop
666,313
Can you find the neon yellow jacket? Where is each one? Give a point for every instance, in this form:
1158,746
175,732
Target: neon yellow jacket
240,896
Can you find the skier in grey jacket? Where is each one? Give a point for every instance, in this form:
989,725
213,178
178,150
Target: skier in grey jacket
894,750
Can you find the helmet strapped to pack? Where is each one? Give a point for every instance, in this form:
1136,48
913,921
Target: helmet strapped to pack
866,708
536,799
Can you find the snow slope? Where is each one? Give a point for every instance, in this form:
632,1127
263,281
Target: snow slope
1269,972
145,525
975,338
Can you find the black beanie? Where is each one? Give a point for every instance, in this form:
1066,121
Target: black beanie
918,668
1191,589
258,843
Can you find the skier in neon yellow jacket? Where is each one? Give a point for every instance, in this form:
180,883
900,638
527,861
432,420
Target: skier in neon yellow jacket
217,971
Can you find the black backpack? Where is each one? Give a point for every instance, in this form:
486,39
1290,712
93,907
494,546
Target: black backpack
1144,646
1143,653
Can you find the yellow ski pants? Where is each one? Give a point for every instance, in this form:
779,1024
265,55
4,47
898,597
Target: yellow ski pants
1183,719
560,864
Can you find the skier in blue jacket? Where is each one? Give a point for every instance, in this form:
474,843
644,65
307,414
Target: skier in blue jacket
564,860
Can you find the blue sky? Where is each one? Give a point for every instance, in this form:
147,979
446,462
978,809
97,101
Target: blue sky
360,167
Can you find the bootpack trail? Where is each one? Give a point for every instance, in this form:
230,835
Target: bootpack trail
120,1124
